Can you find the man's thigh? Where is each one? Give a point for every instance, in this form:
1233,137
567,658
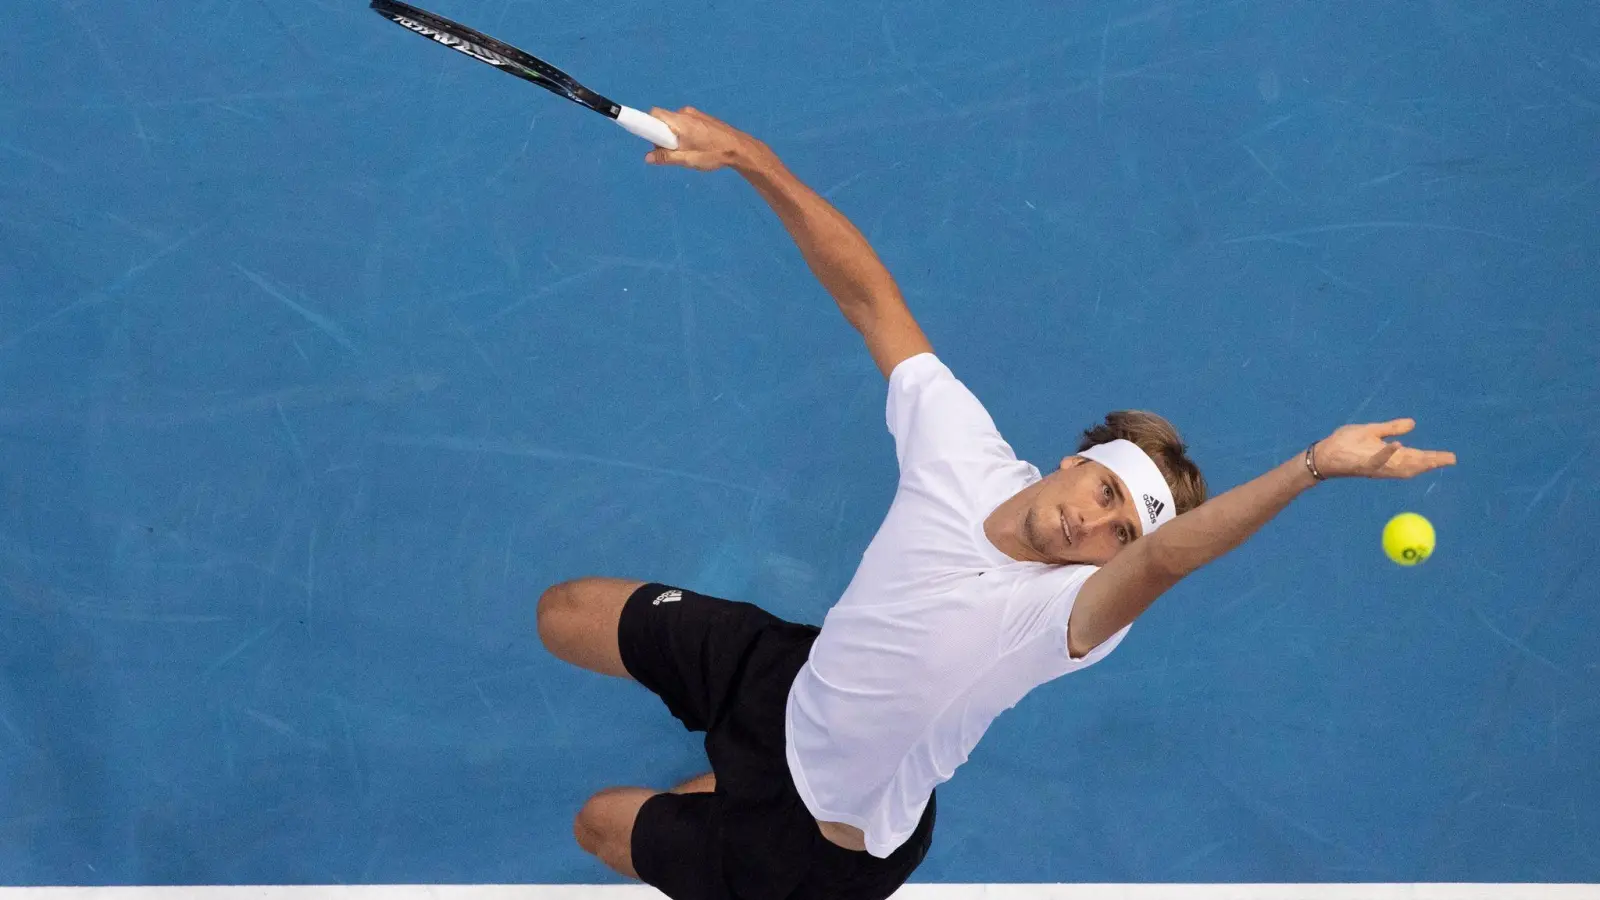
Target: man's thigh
674,846
689,649
578,622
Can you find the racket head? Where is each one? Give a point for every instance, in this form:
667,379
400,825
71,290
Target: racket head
496,53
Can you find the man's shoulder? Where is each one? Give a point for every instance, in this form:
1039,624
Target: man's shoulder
1049,581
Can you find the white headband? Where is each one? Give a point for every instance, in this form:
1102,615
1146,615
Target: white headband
1151,496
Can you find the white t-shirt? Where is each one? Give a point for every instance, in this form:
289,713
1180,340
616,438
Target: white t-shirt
938,633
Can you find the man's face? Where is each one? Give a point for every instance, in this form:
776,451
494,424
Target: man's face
1082,514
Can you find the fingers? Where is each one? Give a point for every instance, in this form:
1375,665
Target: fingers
683,127
1381,459
1428,460
668,116
1395,427
1410,463
688,159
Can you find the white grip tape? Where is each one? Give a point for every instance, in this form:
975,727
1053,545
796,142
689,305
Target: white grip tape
648,127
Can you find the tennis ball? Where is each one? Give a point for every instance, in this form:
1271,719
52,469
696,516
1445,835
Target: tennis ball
1408,539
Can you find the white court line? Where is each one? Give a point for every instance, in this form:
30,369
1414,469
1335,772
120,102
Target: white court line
910,892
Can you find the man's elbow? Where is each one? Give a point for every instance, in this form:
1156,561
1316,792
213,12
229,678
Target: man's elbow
1077,646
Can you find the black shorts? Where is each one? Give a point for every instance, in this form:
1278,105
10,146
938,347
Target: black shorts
725,668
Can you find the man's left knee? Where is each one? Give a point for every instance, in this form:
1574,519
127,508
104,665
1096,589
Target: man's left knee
586,831
604,826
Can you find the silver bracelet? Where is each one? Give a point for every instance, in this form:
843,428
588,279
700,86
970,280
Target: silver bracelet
1311,462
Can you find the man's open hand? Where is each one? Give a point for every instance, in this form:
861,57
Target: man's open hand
1363,451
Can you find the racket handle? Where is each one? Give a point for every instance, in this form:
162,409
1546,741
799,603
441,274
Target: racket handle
648,127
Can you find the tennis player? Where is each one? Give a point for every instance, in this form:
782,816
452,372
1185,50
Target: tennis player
985,580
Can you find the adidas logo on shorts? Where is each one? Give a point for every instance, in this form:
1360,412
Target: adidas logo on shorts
667,597
1153,507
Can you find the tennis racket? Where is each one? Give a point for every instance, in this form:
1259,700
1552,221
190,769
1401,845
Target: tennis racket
509,59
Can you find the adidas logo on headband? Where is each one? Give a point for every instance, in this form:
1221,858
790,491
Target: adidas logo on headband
1153,507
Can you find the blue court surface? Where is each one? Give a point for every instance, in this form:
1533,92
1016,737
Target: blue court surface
324,350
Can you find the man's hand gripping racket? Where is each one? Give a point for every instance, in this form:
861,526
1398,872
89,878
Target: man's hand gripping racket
705,143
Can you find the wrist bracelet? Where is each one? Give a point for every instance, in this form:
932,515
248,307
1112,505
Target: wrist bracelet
1311,462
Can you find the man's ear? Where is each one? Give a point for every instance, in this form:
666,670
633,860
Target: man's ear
1068,462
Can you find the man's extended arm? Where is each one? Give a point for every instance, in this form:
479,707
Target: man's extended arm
1126,586
835,250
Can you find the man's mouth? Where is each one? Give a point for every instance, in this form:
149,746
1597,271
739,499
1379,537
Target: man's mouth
1065,531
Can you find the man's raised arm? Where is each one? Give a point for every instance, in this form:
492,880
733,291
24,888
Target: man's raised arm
1126,586
835,250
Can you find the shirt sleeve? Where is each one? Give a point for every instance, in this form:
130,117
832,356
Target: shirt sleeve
1041,609
934,417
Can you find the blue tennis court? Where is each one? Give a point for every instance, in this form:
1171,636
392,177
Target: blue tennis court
324,351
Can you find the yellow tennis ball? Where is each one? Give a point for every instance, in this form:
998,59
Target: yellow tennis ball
1408,539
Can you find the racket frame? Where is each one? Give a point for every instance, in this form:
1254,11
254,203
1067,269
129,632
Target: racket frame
497,53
